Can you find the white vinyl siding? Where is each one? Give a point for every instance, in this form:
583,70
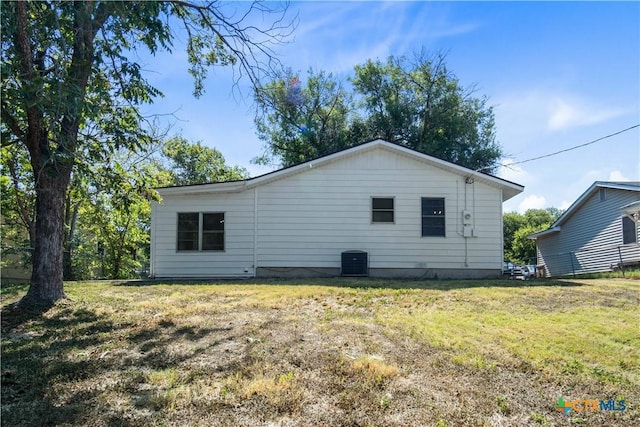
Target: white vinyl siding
307,218
237,258
304,235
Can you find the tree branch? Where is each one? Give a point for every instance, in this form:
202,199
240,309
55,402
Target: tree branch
13,126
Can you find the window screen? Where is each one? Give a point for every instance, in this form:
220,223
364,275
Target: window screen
433,223
213,231
382,209
188,225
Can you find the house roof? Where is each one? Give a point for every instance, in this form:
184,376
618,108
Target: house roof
509,189
596,186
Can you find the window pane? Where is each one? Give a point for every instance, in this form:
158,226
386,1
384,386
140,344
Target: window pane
382,216
213,241
188,222
433,216
382,209
187,231
433,226
188,241
628,231
432,206
213,222
380,203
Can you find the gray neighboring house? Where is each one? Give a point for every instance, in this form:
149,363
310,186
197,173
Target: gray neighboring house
597,233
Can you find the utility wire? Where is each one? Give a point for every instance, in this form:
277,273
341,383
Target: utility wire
570,148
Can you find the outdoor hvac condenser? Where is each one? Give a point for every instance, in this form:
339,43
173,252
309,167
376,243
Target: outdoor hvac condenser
355,263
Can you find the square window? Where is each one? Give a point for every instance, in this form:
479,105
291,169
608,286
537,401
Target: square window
200,231
382,209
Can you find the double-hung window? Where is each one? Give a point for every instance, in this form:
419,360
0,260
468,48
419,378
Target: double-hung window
200,231
382,209
433,223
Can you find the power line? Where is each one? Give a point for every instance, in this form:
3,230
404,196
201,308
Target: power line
570,148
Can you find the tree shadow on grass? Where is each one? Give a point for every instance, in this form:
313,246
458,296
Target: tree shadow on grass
60,366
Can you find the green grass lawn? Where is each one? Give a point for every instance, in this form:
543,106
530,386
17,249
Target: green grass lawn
324,352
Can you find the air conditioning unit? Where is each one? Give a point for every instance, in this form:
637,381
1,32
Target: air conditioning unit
467,217
355,263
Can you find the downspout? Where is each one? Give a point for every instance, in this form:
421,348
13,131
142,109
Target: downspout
466,239
255,232
152,249
502,231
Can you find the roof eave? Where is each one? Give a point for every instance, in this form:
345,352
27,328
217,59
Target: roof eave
584,196
509,189
216,187
552,230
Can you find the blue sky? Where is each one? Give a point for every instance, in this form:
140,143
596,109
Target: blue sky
558,75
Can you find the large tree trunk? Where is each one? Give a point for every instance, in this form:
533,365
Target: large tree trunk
52,161
46,277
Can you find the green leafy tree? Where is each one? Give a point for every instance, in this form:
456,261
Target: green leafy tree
70,91
107,211
301,121
421,104
17,202
193,163
511,222
517,227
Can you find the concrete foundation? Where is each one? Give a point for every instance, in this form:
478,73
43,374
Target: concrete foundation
387,273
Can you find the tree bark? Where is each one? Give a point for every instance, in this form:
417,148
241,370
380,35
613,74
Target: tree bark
46,276
52,162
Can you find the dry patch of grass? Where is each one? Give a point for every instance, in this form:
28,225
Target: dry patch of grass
326,352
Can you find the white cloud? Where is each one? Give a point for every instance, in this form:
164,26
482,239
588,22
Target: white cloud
570,112
513,173
391,28
527,116
532,202
564,205
617,176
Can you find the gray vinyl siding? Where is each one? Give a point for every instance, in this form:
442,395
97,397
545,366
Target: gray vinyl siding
591,239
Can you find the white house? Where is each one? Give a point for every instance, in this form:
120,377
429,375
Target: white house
406,213
597,233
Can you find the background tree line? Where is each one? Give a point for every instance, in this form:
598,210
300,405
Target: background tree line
516,227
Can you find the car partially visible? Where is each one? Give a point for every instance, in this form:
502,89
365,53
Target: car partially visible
529,271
